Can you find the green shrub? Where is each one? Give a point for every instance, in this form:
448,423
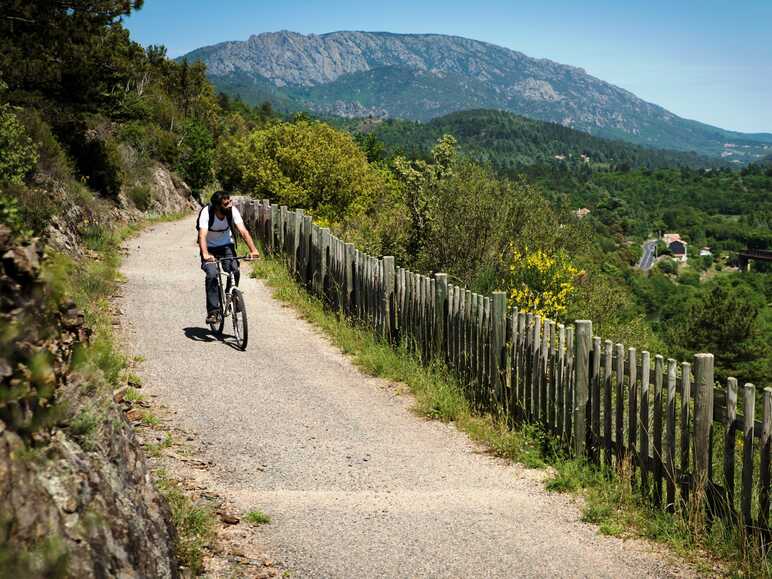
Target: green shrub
151,141
96,154
257,517
691,278
52,159
11,214
668,266
17,151
36,206
141,196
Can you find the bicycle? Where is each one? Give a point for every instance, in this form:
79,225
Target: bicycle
231,305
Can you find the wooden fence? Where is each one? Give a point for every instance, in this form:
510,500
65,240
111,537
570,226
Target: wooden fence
678,434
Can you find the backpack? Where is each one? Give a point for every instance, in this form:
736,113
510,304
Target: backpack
228,218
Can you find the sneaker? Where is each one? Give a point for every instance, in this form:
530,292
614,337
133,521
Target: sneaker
213,317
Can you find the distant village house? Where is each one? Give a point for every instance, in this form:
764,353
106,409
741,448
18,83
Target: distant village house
676,245
705,251
581,213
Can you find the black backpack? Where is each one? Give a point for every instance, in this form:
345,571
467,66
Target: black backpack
228,217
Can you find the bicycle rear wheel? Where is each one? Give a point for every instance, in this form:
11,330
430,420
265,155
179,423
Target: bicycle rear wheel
239,314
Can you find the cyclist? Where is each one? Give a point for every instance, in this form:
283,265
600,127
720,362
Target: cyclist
215,225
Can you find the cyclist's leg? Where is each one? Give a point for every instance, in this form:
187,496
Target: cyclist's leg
231,264
210,285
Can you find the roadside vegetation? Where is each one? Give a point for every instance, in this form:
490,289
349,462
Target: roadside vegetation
196,524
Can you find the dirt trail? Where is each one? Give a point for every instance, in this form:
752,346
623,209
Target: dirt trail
356,485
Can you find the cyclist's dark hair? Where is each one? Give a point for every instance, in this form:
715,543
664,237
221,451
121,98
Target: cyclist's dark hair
217,198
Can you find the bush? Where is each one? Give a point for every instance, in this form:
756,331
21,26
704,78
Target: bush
141,196
150,141
691,278
95,152
100,161
667,266
11,215
303,164
17,151
52,159
35,206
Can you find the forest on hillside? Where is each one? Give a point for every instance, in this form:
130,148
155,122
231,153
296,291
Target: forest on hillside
511,142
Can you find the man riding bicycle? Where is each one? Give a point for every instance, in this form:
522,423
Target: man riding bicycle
216,241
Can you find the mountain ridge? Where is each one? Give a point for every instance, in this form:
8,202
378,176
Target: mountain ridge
353,73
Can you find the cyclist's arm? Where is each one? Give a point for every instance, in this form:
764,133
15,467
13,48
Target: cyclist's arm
202,245
247,239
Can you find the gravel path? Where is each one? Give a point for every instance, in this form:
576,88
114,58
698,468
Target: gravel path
355,483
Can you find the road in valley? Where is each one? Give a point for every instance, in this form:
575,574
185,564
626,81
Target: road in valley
647,259
355,483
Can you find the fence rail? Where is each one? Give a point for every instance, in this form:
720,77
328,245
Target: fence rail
679,435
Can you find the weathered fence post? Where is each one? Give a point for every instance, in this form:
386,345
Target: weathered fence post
324,269
595,399
297,239
499,319
730,443
644,425
282,229
349,278
388,297
703,420
765,446
271,225
608,361
440,312
749,407
671,433
581,384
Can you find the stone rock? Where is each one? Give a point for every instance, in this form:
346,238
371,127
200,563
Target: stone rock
170,193
229,519
22,261
5,236
120,394
134,415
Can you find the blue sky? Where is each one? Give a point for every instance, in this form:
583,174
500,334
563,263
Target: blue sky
708,60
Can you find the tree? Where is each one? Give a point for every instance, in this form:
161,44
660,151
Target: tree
66,49
724,320
305,164
196,155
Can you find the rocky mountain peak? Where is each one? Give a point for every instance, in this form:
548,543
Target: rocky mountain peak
423,76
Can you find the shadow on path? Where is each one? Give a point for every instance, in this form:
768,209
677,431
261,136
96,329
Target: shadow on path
206,335
200,334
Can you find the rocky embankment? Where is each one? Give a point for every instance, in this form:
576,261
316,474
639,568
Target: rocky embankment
76,496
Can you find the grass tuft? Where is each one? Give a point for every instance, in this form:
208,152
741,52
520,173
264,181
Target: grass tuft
196,524
257,518
133,395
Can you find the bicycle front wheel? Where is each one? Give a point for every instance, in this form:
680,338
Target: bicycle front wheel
239,314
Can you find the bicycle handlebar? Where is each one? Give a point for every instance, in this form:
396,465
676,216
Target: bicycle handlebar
238,258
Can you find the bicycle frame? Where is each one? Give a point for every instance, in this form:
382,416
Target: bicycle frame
226,291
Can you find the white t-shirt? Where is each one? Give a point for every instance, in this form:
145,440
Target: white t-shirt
220,234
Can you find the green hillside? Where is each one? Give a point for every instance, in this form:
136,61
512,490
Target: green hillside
508,142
